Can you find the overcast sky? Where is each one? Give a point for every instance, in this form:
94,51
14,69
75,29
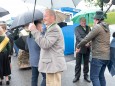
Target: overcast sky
16,7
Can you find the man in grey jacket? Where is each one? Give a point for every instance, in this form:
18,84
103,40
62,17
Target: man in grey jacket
52,61
100,37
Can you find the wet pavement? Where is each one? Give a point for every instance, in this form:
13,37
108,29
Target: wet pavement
22,77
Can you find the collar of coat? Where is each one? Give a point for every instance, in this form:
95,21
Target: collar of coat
50,26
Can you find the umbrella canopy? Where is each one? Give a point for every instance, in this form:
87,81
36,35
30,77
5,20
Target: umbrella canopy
3,12
26,18
55,3
89,14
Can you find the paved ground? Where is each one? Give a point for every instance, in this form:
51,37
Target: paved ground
23,77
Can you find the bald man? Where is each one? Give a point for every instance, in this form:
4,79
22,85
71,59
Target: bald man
52,61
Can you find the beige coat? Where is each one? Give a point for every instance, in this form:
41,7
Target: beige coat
52,50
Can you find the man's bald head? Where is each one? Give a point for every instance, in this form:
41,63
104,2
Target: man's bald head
49,17
51,12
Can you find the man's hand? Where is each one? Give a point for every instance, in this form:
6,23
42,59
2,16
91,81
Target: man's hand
32,26
88,44
77,50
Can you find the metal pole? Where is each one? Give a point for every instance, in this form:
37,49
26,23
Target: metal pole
33,17
51,4
34,10
105,12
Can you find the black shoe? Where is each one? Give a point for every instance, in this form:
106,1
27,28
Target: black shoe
75,80
9,77
0,82
86,78
7,82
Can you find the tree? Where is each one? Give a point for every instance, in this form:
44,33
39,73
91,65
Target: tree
97,3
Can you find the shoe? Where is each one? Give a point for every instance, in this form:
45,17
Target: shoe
0,82
7,82
86,78
75,80
9,77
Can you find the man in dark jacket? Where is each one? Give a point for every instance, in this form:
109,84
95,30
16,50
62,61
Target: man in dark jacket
80,32
111,65
100,37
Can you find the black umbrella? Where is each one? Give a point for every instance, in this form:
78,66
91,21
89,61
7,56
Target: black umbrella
26,18
3,12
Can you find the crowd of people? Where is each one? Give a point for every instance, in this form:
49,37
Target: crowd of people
45,49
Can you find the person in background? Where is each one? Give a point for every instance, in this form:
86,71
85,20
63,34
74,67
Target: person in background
52,61
16,36
4,54
111,65
34,56
100,37
80,32
8,34
23,55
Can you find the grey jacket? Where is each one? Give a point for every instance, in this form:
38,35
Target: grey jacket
80,33
100,36
52,50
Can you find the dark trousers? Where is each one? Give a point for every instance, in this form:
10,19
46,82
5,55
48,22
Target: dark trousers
35,74
4,65
79,57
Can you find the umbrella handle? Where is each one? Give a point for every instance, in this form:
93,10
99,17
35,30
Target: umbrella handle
34,10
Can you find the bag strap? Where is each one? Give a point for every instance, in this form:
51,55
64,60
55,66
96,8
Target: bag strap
4,43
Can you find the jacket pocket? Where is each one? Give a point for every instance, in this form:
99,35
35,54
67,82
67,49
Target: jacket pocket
46,61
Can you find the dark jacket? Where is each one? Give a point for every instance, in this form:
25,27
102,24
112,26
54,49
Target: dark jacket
80,33
100,36
111,65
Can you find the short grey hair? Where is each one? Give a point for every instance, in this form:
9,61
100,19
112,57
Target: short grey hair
51,12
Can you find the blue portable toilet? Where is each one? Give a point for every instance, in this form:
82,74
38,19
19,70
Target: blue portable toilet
68,32
71,10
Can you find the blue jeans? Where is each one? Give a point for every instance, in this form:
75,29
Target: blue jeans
16,49
97,72
35,74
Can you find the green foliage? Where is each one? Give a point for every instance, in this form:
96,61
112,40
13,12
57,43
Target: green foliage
110,18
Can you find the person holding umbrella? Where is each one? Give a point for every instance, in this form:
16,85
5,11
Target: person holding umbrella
34,56
100,37
52,61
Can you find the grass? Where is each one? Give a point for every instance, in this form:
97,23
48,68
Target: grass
110,18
